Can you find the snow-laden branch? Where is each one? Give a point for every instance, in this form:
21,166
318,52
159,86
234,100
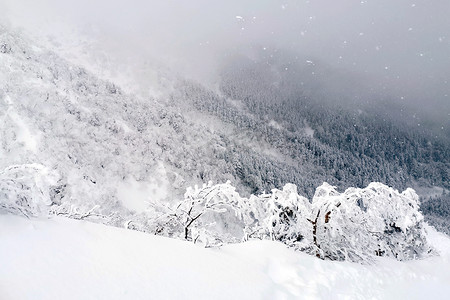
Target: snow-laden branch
356,225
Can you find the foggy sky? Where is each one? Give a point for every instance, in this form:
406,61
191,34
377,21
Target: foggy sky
401,46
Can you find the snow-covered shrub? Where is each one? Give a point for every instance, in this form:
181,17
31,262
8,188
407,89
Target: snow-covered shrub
286,215
356,225
360,224
29,189
339,227
394,219
212,215
216,214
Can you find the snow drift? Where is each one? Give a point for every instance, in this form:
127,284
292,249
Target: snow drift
61,258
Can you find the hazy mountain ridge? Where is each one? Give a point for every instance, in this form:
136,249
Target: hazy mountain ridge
348,143
345,143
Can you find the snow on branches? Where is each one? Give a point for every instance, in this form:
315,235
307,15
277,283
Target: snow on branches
356,225
361,223
284,216
28,189
209,215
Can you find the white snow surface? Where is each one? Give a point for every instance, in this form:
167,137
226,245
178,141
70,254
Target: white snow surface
135,195
60,258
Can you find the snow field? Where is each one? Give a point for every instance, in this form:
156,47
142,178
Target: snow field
60,258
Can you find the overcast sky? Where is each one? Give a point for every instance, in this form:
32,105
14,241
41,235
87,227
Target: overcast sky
403,45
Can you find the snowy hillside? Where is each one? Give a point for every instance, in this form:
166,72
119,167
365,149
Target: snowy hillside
109,148
65,259
58,114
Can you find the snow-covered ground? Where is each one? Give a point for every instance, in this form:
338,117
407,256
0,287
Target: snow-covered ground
66,259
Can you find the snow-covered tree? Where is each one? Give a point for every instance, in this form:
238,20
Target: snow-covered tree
360,224
356,225
286,215
29,189
394,219
212,215
338,227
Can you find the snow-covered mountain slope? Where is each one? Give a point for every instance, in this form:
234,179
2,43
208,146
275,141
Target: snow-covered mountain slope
111,149
65,259
118,150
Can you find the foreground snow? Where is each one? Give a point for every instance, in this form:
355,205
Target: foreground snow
66,259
